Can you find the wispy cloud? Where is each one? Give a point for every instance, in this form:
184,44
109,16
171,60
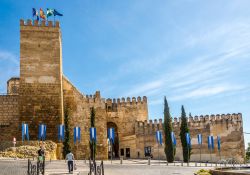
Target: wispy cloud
207,73
146,88
9,68
207,91
8,56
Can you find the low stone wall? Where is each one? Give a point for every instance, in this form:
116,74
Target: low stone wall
29,150
226,171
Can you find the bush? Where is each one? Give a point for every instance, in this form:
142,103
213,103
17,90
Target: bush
203,172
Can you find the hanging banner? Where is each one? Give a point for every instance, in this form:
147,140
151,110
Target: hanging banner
173,138
92,134
77,134
159,137
111,134
42,132
25,131
199,136
188,139
61,133
210,142
218,142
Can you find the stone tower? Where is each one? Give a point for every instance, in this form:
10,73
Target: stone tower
40,88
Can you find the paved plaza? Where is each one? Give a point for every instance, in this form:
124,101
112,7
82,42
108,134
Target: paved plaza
129,167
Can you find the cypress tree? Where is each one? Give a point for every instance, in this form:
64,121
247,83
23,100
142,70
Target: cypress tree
92,124
183,130
66,142
169,148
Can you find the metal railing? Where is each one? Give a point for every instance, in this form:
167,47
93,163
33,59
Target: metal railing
95,169
36,168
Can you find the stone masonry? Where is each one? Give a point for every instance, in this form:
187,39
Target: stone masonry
42,93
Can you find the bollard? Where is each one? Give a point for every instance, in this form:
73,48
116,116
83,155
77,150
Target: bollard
167,163
181,163
28,166
188,164
85,161
206,164
121,158
216,164
195,164
149,160
174,163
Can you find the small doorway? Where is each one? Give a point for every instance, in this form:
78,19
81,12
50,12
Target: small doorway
127,152
122,152
115,148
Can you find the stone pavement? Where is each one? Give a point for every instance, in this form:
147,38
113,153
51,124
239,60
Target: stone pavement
129,167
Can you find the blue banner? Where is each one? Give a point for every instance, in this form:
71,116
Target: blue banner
111,134
199,136
61,133
188,139
210,142
173,138
218,142
92,134
25,131
42,132
159,137
77,134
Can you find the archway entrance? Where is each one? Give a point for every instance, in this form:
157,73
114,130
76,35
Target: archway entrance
116,142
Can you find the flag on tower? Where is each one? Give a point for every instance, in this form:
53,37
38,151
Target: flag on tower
50,12
35,13
42,14
56,13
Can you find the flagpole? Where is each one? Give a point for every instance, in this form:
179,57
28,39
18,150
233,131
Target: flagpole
111,151
210,155
158,153
200,154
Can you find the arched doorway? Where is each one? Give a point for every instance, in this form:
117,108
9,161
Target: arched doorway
116,142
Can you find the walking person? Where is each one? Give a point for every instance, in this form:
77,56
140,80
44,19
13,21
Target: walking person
70,159
41,158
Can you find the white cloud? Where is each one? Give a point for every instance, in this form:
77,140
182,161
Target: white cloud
146,88
8,56
9,68
206,91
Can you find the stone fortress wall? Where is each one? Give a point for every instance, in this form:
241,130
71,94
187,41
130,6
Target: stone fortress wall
229,127
43,93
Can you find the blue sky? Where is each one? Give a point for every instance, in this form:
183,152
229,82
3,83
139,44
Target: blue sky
197,53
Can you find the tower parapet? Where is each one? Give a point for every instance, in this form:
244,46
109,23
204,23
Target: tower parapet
36,23
112,105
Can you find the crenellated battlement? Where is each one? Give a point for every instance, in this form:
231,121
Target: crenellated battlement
37,23
113,104
149,126
211,118
127,101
